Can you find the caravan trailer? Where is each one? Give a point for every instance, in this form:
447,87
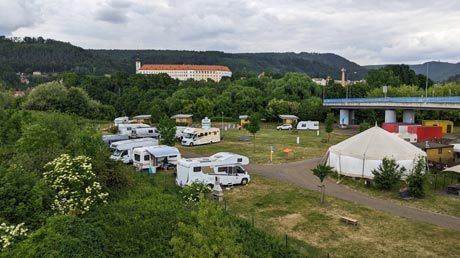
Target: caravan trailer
225,166
127,129
123,150
198,136
308,125
155,156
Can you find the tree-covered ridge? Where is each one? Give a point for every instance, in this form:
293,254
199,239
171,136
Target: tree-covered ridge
50,56
46,55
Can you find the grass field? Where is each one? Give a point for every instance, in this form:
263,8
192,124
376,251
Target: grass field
309,146
283,208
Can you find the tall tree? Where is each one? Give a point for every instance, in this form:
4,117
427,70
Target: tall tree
322,171
329,125
253,127
167,128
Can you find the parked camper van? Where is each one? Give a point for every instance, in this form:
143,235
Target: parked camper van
143,132
123,150
198,136
121,120
109,138
223,165
127,129
308,125
156,156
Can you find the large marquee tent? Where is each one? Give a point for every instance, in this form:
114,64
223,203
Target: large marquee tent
358,155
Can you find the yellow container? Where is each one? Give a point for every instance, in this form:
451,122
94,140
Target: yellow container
447,126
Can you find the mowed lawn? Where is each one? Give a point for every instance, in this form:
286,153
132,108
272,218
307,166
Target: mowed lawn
283,208
310,145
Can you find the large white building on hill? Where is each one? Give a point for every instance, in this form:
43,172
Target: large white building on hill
184,72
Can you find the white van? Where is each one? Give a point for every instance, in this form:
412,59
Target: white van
143,132
198,136
123,150
156,156
225,166
127,129
308,125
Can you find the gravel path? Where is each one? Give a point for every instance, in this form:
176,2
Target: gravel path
299,173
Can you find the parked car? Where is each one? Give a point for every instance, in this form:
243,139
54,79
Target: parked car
284,127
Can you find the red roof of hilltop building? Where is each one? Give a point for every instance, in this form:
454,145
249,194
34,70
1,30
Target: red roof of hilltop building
184,67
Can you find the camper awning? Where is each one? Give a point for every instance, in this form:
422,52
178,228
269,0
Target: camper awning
163,152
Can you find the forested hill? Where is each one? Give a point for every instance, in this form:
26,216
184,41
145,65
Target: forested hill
437,71
314,64
47,55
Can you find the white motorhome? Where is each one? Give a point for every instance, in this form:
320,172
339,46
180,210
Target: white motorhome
121,120
308,125
198,136
123,150
127,129
223,165
143,132
156,156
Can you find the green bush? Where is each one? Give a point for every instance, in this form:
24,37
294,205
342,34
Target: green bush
194,193
387,174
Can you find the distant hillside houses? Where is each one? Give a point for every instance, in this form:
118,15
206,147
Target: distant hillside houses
184,72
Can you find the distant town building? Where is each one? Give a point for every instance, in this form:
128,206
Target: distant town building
320,81
184,72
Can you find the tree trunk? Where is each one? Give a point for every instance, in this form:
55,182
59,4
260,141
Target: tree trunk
322,193
254,143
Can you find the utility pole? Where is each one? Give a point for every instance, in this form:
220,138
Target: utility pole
426,83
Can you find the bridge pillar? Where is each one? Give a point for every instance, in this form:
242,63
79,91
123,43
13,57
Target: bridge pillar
390,116
408,116
344,117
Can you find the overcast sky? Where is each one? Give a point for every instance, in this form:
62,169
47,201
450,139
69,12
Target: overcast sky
363,31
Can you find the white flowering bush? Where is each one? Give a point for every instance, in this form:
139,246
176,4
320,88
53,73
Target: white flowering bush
10,233
75,185
192,193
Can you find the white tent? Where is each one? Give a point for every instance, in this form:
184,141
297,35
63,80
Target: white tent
360,154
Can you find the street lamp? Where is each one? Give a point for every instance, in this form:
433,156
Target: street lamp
222,122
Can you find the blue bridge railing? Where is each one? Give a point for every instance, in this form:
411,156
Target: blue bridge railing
451,99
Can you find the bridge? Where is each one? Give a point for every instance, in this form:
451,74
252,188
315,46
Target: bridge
407,104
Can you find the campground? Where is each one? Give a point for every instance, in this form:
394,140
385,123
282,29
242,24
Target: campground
289,205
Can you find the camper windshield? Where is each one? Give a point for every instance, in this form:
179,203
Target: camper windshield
188,135
117,153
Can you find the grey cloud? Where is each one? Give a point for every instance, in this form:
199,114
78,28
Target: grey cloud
17,14
111,15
